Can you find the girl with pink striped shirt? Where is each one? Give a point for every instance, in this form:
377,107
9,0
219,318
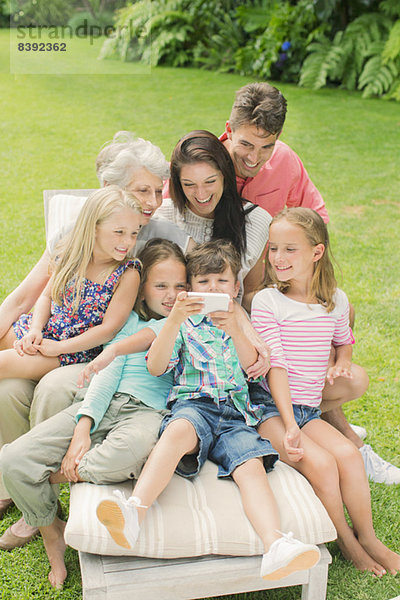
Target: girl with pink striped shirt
300,316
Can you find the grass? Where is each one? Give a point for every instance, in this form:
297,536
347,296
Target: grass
51,129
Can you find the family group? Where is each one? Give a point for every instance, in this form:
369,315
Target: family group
119,372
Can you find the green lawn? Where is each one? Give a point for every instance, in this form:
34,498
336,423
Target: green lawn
51,129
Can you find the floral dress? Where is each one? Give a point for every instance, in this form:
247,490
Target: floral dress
63,324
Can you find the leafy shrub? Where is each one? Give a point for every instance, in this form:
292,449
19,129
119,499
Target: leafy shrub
84,20
239,36
48,13
279,39
278,35
165,34
366,56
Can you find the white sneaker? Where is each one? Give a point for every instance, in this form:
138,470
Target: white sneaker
360,431
287,555
378,469
120,516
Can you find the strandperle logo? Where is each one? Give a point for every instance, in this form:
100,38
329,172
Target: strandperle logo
65,32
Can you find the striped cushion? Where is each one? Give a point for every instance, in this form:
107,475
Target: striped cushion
199,516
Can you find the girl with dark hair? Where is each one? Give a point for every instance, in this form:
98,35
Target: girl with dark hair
205,203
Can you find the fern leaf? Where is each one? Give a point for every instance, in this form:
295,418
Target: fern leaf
394,92
392,46
320,64
376,77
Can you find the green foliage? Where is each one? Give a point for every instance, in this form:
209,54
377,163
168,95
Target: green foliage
325,58
221,50
278,39
86,20
392,47
5,13
391,8
366,56
157,33
132,32
238,36
340,13
51,13
58,12
270,25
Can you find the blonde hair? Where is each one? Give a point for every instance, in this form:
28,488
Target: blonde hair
155,251
323,283
76,249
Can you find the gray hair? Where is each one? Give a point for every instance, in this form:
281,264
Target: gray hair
119,159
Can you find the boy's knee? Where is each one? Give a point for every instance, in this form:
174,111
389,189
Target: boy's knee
182,433
180,427
250,468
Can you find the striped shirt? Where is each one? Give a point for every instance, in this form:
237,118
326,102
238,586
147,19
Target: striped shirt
300,337
205,363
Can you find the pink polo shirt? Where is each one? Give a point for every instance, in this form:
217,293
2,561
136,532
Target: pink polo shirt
281,181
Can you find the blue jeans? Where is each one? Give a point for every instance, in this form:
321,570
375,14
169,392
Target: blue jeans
224,437
263,399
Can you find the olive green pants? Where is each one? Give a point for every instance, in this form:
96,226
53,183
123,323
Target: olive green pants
120,446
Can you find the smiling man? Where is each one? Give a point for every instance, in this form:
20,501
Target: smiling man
268,172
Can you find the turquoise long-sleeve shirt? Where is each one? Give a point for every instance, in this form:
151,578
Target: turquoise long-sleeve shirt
127,374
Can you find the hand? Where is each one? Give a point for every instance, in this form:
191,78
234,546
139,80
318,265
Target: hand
26,345
79,445
262,365
292,443
49,347
100,362
185,306
225,319
339,370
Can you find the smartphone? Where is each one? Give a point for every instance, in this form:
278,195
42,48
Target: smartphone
212,301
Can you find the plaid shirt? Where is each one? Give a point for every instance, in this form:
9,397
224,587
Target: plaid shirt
206,363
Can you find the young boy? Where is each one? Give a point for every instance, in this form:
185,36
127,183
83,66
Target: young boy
210,416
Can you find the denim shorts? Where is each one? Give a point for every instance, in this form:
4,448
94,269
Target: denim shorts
262,402
224,437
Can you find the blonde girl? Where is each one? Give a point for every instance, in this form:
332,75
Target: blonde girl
107,437
89,296
299,315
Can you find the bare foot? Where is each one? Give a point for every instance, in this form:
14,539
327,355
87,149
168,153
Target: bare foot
355,553
389,559
53,539
22,529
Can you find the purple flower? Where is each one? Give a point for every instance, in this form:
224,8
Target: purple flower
286,45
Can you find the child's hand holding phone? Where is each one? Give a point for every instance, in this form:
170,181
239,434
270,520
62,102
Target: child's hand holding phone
211,301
